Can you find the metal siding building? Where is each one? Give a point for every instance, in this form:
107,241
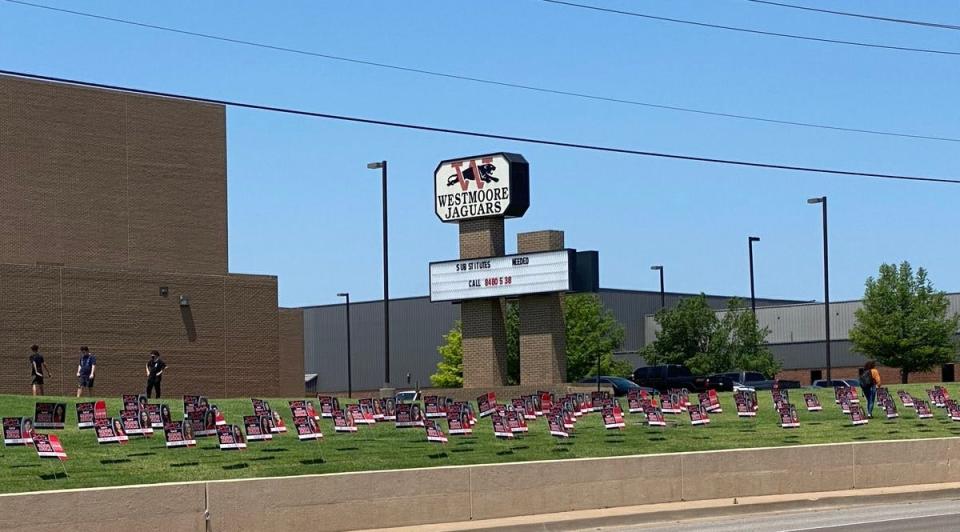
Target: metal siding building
417,327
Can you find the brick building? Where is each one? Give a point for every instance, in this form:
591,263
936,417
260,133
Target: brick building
113,234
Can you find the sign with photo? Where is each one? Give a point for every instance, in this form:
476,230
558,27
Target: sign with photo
231,438
670,403
495,185
17,431
165,415
49,415
308,428
923,409
343,422
845,405
788,417
781,398
713,402
745,404
312,411
389,409
153,414
612,418
812,402
364,416
458,420
557,427
218,418
86,417
432,406
890,408
654,417
857,416
520,406
515,421
257,428
328,405
179,434
48,446
434,432
487,404
110,431
953,408
299,409
936,398
698,416
882,394
196,410
136,423
634,402
99,411
546,401
130,402
500,427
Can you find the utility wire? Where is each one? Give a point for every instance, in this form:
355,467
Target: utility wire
480,134
486,81
755,32
860,15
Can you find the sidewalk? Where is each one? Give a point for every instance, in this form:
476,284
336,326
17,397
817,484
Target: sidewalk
635,515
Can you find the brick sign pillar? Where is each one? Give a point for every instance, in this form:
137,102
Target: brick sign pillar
543,343
483,320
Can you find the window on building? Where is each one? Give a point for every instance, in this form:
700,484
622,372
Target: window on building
947,373
816,374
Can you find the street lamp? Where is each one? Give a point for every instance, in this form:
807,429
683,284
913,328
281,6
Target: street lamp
382,165
822,200
753,295
349,369
663,299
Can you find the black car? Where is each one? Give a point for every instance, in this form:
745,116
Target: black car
669,376
620,385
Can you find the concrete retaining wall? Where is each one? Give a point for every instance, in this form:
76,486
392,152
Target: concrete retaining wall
444,494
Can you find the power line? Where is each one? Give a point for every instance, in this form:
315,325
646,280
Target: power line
493,82
480,134
755,32
860,15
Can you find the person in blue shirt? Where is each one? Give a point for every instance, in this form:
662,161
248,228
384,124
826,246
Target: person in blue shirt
86,370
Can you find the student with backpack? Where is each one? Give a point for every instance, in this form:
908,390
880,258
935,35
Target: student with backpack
86,370
869,380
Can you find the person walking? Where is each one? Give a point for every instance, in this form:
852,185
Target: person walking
38,368
869,380
155,367
86,371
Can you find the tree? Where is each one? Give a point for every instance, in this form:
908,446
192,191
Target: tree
450,368
590,329
904,322
693,335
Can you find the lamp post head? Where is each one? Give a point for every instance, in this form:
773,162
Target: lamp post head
374,166
754,238
813,201
656,267
343,294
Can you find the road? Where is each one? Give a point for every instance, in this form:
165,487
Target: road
935,515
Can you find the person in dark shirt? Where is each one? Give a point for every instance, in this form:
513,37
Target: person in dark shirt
86,370
155,367
38,368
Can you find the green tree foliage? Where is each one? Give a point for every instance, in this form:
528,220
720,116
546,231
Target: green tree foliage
904,323
450,368
590,329
693,335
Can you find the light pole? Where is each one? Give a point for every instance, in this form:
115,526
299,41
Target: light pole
663,299
349,369
822,200
753,294
382,165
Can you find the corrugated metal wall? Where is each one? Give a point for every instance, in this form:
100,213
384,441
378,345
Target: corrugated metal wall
416,330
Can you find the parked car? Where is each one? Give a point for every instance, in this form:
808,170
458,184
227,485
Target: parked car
836,383
407,396
751,380
669,376
620,385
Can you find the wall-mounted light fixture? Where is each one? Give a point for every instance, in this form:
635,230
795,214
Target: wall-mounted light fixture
164,291
184,301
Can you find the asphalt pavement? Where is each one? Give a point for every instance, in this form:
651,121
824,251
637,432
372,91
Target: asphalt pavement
934,515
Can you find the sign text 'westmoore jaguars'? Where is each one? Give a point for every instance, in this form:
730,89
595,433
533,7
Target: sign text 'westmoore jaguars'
484,186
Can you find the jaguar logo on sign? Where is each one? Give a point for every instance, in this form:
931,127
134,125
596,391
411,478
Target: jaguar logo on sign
484,186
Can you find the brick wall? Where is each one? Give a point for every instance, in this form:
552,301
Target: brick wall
226,343
101,179
888,376
483,320
291,352
543,342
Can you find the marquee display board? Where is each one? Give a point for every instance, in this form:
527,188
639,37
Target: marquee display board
496,185
510,275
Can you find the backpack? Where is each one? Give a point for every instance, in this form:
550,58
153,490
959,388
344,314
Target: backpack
866,379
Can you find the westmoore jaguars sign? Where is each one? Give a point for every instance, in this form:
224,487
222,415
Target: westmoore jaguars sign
484,186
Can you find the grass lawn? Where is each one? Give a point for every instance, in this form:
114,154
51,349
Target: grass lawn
384,447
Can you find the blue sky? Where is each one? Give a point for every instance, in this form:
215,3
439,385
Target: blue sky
303,206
